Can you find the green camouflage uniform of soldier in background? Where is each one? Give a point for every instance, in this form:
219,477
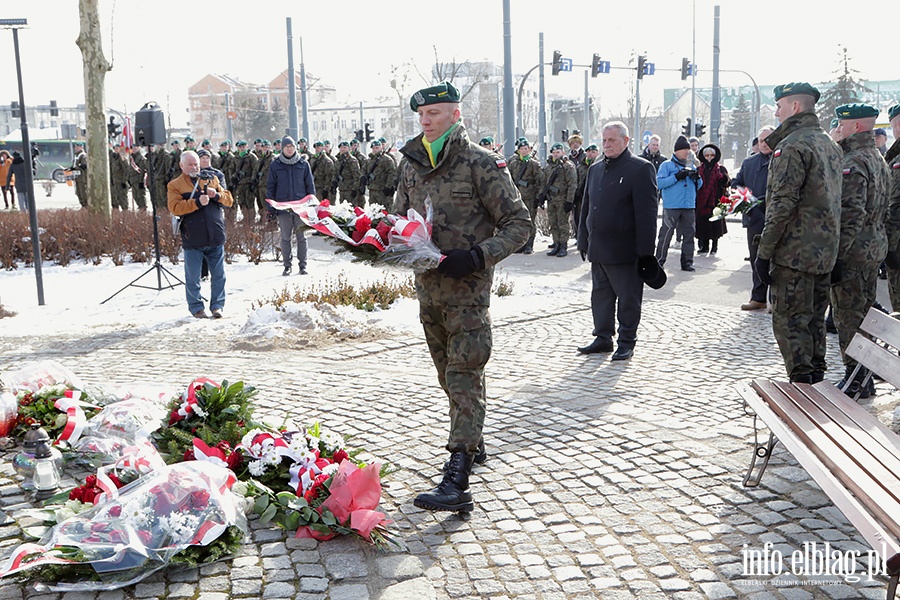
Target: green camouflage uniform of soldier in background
159,158
346,176
322,170
262,176
81,164
479,219
119,165
528,176
799,243
892,221
242,185
360,158
560,182
136,173
863,247
380,174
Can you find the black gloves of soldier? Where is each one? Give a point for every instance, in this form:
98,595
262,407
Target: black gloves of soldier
837,273
892,260
762,270
682,174
541,200
388,191
461,263
568,206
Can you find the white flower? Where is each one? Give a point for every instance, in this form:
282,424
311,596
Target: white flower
717,211
374,210
271,458
333,441
240,488
180,526
257,467
312,442
198,410
331,469
298,444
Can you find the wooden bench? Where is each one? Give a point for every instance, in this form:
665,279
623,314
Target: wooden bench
853,457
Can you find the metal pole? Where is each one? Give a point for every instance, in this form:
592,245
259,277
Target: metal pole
229,120
542,107
292,92
636,134
693,62
586,127
304,97
362,142
29,179
715,109
509,113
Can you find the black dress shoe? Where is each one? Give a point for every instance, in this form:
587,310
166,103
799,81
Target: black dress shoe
688,268
598,345
622,353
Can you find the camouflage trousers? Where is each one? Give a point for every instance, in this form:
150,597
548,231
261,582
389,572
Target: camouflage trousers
81,193
351,194
558,219
261,204
851,299
894,288
799,301
119,196
460,341
245,199
160,193
379,197
139,194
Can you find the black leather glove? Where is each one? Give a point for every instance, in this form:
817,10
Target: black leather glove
695,175
583,254
541,200
837,273
124,186
762,270
892,260
461,263
388,191
682,174
568,206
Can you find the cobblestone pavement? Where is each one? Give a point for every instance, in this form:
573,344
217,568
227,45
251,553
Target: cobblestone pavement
605,480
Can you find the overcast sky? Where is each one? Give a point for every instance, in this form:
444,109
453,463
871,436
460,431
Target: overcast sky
159,48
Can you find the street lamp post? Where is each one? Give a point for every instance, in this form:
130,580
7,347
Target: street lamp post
15,25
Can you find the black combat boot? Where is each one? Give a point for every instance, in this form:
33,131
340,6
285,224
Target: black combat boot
853,388
554,249
802,378
552,246
452,493
479,459
563,249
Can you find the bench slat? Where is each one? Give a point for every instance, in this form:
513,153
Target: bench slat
882,326
875,357
867,525
864,420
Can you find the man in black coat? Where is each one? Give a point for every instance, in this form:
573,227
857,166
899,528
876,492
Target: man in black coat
616,234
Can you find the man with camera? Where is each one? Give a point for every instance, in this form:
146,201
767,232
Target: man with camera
678,184
197,197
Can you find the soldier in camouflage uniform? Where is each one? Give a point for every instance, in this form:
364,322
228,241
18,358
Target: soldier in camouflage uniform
346,176
528,176
559,195
160,159
360,158
323,171
303,148
479,219
81,164
864,197
799,243
119,165
137,174
242,184
380,175
223,160
172,164
262,176
892,221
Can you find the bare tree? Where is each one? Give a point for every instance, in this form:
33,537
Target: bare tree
95,67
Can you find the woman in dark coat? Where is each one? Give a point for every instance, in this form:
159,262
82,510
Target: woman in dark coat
715,183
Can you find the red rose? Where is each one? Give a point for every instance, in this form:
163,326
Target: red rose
90,494
340,455
363,223
324,203
76,494
200,499
90,481
174,417
384,229
115,511
116,481
357,235
188,455
234,461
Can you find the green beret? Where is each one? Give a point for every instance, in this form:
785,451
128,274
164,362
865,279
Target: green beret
856,110
382,140
225,143
277,141
241,143
893,112
375,143
188,138
522,142
556,146
318,144
304,140
834,123
592,147
79,143
797,87
327,142
266,143
486,140
344,143
436,94
354,142
175,143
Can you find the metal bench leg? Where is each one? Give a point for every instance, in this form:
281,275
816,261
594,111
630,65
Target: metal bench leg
760,459
892,587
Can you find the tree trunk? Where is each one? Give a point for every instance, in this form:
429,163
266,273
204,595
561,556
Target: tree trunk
95,67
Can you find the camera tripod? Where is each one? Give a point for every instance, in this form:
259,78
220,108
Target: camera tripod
161,271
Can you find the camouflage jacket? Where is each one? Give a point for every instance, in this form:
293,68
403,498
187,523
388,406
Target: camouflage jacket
244,169
527,175
564,182
581,169
173,164
381,170
892,220
137,170
474,202
224,161
361,159
160,165
119,176
323,171
803,197
262,170
346,172
864,198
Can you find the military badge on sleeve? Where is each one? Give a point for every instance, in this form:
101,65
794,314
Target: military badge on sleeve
501,163
777,153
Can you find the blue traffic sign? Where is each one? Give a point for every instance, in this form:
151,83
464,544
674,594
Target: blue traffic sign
649,68
603,66
565,64
645,138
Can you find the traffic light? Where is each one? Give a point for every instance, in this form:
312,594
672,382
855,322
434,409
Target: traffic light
641,66
113,128
685,68
686,129
358,134
595,65
14,106
54,111
565,135
699,130
370,133
557,62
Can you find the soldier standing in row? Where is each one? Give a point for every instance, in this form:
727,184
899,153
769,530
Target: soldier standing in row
346,178
242,184
799,244
360,158
159,157
380,176
892,224
559,196
303,148
119,165
528,177
81,164
479,219
322,170
262,176
863,246
137,176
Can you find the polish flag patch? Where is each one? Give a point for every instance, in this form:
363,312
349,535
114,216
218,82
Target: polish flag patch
896,165
501,163
846,171
777,153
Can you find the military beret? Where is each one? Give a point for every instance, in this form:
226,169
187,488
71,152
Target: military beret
241,143
257,141
382,140
375,143
797,87
326,142
225,143
205,142
203,152
79,143
354,142
880,131
344,143
304,140
522,142
277,142
556,146
893,111
436,94
188,138
593,147
855,110
834,123
266,143
317,144
486,140
174,143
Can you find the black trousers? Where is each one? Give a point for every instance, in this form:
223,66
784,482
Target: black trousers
760,291
617,293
